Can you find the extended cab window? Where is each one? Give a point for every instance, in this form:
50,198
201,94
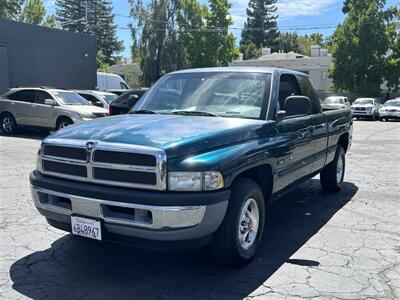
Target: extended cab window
308,91
288,86
92,99
226,94
24,96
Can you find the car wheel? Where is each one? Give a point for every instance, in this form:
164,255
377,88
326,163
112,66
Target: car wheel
332,175
238,238
63,122
8,123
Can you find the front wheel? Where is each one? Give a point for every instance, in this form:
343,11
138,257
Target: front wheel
63,122
8,123
332,175
237,240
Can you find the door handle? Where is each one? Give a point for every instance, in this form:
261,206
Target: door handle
302,133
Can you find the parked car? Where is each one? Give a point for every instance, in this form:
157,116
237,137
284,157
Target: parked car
336,102
107,81
97,98
390,110
196,162
118,92
44,108
366,108
126,101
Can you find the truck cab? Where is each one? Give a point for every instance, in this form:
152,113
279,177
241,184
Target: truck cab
196,162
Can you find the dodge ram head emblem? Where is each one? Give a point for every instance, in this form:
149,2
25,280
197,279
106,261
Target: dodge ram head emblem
89,146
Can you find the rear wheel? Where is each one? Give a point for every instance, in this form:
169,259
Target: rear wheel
333,174
63,122
8,123
237,240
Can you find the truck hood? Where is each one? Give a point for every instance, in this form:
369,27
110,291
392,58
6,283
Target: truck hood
177,135
362,105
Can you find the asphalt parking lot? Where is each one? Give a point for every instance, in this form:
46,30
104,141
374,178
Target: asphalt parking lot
340,246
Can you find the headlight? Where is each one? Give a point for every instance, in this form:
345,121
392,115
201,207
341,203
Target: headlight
195,181
87,116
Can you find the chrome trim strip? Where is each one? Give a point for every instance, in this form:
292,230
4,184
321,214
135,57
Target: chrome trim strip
164,217
159,170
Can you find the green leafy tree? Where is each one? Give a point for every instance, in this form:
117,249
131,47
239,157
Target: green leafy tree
220,44
50,21
102,65
156,42
33,12
71,15
359,48
250,51
289,41
10,9
261,28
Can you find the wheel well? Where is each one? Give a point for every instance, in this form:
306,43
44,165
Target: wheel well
6,113
344,141
62,118
263,176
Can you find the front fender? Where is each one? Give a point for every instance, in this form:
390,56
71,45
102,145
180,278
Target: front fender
230,161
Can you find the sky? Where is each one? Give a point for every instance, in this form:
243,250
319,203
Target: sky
294,15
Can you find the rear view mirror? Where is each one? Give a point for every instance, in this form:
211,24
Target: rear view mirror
297,105
49,102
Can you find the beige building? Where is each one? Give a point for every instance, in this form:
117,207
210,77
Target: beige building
129,72
316,65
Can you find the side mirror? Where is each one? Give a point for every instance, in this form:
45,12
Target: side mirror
49,102
297,105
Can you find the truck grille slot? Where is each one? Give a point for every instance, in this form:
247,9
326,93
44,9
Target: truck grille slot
64,168
65,152
127,214
124,158
125,176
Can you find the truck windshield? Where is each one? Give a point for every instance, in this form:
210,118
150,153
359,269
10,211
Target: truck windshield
364,101
333,100
226,94
70,98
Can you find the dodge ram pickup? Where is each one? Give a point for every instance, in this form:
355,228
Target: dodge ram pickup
196,161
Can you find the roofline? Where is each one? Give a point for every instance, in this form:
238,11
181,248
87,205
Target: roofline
239,69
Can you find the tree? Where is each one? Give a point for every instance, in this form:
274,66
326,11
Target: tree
261,27
71,14
33,12
359,48
156,43
50,21
289,41
220,44
10,9
250,51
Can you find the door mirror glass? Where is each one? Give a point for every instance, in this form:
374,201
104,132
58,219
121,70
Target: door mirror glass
49,102
297,105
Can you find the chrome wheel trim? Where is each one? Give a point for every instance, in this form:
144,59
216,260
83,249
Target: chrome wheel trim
339,169
249,223
7,124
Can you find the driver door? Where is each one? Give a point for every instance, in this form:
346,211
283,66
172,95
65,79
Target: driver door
294,155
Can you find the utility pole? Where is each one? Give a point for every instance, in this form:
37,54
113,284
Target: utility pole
86,16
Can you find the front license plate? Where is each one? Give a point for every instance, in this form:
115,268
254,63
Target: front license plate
86,227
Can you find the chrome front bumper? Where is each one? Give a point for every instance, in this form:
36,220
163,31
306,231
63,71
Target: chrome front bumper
389,114
135,220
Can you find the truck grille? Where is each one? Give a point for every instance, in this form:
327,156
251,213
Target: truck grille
105,163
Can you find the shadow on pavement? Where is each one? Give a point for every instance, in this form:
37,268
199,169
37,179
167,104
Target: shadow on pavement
35,134
79,268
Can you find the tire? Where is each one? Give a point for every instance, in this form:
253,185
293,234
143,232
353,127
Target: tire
226,248
8,123
331,179
63,122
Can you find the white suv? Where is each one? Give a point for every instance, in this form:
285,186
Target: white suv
45,108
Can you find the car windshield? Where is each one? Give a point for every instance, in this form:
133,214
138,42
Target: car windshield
364,101
108,97
333,100
70,98
392,103
226,94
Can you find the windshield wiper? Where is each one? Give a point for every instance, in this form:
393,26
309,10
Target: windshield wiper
142,111
193,113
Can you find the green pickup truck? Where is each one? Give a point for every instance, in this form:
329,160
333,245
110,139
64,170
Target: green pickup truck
196,161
